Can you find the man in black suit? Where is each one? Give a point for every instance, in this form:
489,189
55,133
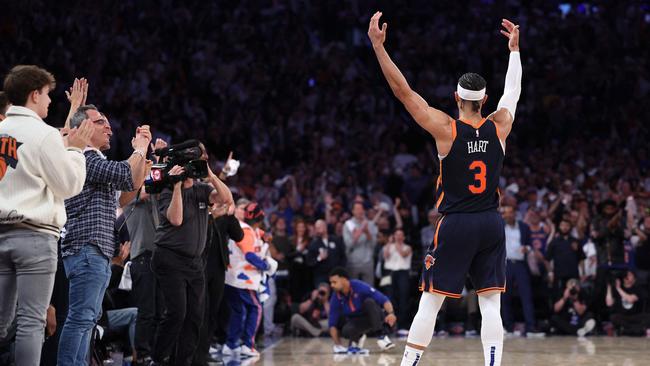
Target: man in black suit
324,253
223,226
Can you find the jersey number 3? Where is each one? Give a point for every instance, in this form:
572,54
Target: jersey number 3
479,186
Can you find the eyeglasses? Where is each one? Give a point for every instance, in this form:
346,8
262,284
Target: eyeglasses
101,122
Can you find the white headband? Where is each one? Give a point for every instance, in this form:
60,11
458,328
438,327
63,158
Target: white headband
472,95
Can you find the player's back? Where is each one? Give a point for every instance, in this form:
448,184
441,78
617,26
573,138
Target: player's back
469,173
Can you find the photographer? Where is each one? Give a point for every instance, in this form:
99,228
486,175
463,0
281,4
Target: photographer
313,313
31,205
178,264
90,238
565,256
570,312
626,300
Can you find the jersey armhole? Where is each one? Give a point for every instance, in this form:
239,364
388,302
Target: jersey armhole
500,136
453,138
453,131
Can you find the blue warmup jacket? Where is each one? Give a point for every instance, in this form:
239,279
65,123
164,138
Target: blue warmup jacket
350,305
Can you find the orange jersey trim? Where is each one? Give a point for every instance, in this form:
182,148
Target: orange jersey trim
435,235
435,291
442,195
453,131
500,289
477,126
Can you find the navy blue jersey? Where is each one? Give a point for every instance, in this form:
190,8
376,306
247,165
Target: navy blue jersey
469,174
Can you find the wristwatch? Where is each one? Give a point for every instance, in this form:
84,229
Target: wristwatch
139,152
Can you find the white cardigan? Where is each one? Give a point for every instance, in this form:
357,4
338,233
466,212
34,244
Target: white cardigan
36,172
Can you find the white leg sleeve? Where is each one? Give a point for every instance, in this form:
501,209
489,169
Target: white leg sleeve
425,320
512,85
422,327
491,328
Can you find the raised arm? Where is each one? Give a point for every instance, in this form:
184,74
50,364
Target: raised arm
505,114
138,160
436,122
221,192
77,97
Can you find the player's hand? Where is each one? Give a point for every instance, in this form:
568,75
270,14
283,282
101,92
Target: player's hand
512,32
390,319
377,36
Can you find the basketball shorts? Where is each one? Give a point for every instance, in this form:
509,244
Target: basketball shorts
465,243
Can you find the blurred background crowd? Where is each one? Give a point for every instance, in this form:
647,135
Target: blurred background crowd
293,89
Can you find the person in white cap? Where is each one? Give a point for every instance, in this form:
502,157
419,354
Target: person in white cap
469,237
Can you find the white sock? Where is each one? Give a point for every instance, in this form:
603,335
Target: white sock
491,328
411,356
422,327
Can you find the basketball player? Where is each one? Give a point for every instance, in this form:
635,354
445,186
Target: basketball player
470,236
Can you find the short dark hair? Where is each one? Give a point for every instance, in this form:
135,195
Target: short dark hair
23,80
4,103
473,81
81,114
339,271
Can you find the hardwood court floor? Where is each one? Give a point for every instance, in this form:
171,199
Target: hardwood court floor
596,351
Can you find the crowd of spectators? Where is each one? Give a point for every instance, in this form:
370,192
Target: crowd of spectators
293,89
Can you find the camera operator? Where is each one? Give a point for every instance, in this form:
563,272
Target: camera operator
178,264
38,170
313,312
570,312
141,220
90,238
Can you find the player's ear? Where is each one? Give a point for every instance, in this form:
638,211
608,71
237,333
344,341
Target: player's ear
485,98
456,97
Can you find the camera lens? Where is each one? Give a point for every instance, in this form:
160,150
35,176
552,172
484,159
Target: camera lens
573,292
322,293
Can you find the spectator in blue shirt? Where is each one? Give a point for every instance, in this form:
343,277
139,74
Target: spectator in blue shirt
355,310
89,239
